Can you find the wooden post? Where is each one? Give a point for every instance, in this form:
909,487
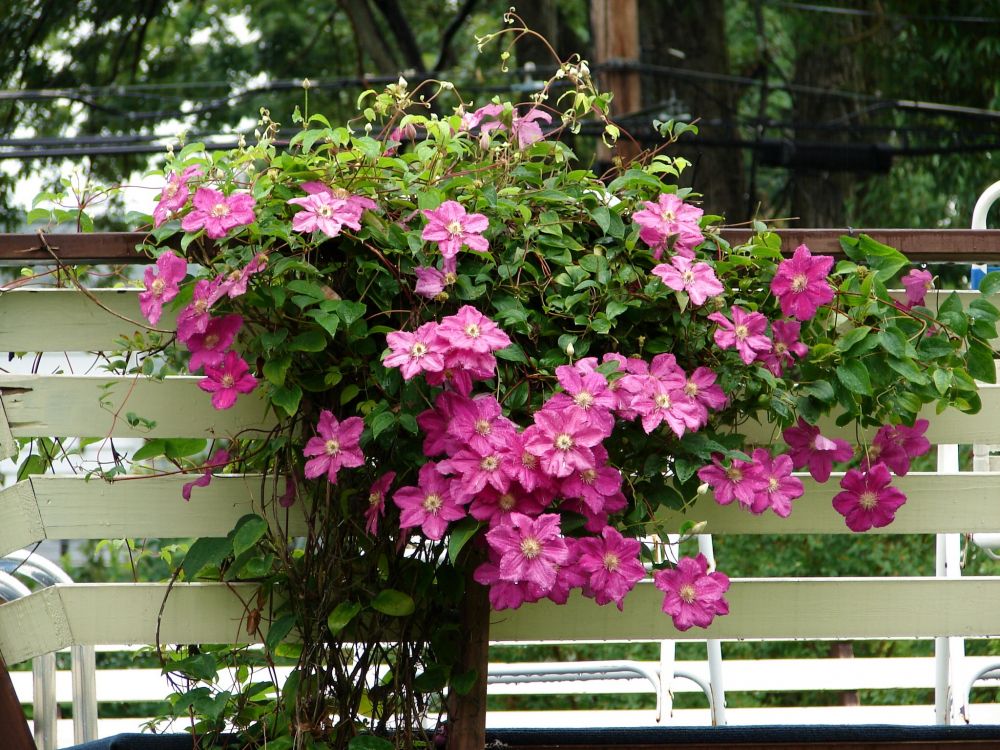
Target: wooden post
467,713
13,724
616,42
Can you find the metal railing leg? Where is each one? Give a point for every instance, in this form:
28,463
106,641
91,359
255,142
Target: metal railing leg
714,647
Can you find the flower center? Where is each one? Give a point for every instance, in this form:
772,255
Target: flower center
489,463
772,484
688,276
662,400
780,349
529,460
868,500
454,228
228,381
799,282
686,593
375,499
325,211
332,447
531,547
432,503
171,189
611,562
201,306
734,474
589,476
211,341
583,399
483,427
691,388
741,331
668,215
157,287
219,210
418,349
472,331
507,501
563,441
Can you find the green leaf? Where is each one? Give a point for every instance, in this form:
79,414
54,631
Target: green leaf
277,631
849,339
602,216
821,390
894,342
461,533
308,341
990,284
511,353
349,392
272,339
347,310
182,447
382,422
979,360
341,616
854,376
249,530
393,603
204,552
433,678
369,742
151,449
288,398
909,370
276,369
464,682
942,381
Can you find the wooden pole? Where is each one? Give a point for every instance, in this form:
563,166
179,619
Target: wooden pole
615,25
13,724
467,713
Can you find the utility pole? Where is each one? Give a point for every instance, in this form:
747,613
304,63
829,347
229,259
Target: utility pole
615,24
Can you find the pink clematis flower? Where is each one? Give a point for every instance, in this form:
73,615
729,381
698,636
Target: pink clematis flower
227,380
611,564
693,596
161,285
897,445
326,214
787,347
431,505
588,392
745,333
336,447
415,352
741,480
562,440
217,214
430,281
700,392
358,202
209,348
697,279
451,227
470,330
504,594
219,458
669,217
376,501
476,470
478,423
175,194
809,448
526,129
867,500
781,487
235,283
530,549
194,318
800,283
917,284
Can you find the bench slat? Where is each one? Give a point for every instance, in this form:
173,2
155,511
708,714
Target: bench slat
62,507
963,502
765,609
71,406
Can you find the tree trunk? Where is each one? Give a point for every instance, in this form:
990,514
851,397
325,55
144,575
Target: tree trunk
680,34
467,713
615,25
15,727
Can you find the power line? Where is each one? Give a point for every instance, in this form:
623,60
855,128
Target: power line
842,11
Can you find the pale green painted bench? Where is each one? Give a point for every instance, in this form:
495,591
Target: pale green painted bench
60,507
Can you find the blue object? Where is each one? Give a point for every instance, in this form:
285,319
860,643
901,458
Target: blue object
140,742
977,273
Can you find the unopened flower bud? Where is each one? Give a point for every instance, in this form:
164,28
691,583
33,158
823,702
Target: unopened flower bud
570,349
703,488
306,84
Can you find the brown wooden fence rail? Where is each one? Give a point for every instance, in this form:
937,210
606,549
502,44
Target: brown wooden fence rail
920,245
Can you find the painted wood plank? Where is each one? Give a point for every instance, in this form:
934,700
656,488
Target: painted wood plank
66,320
63,507
777,609
962,502
94,613
760,609
71,406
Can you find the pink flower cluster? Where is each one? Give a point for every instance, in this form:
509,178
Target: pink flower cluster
484,465
867,500
524,129
328,210
758,484
451,227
